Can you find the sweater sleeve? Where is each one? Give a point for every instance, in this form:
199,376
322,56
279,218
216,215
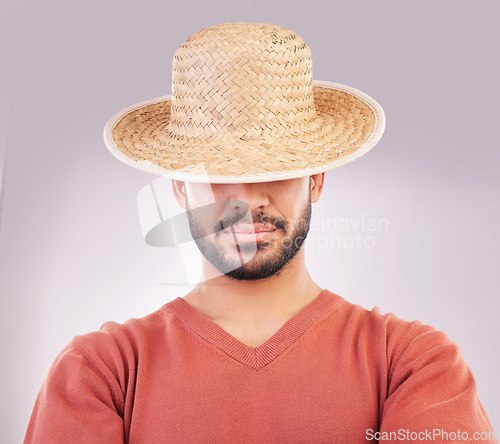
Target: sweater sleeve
431,392
80,401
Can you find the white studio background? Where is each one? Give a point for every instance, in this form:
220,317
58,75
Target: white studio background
415,219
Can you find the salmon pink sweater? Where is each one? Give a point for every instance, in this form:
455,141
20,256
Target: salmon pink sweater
334,373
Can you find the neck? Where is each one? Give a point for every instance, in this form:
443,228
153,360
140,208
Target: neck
252,306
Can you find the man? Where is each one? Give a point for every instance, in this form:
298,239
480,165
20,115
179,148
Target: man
257,352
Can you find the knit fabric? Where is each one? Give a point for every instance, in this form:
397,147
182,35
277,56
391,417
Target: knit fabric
335,372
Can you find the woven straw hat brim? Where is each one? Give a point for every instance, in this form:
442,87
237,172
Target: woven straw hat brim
348,124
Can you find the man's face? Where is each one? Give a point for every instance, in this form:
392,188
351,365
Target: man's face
254,230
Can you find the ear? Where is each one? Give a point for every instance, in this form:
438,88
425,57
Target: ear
179,189
316,183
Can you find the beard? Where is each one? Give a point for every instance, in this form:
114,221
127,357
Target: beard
250,261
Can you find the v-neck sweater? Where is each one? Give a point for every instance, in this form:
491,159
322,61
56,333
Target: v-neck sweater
334,372
253,357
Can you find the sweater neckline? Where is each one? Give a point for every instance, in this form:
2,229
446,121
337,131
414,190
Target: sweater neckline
260,356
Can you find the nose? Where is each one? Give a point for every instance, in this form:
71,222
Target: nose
252,194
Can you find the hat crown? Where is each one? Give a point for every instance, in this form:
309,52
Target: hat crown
242,80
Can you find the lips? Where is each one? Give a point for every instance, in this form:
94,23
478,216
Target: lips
253,228
251,233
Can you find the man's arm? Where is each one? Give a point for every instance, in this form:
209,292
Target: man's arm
80,401
432,391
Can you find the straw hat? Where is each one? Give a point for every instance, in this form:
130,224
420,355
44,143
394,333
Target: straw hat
244,108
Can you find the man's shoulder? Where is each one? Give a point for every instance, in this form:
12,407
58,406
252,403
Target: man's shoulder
149,324
122,340
390,322
401,336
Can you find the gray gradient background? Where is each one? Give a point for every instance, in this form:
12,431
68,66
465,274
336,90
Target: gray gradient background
72,256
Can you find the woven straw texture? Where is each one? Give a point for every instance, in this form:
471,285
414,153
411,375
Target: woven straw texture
244,104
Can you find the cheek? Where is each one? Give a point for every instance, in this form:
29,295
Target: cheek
202,204
292,204
200,194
